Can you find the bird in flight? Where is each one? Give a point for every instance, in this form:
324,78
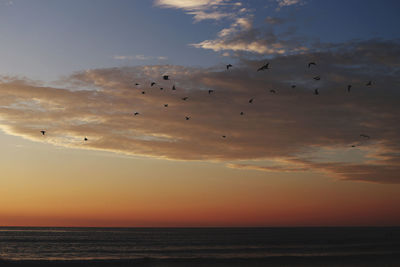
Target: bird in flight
224,136
264,67
272,91
311,63
136,113
316,92
143,92
43,132
251,100
85,139
187,118
185,98
241,113
161,88
348,88
153,83
317,78
166,77
137,84
229,66
369,83
173,87
210,91
365,136
166,105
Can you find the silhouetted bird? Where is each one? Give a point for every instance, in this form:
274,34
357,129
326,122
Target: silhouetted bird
224,136
187,118
153,83
166,77
293,86
173,87
353,145
43,132
161,88
311,63
229,66
348,88
210,91
251,100
272,91
365,136
143,92
137,84
369,83
166,105
316,92
242,113
136,113
85,139
317,78
264,67
185,98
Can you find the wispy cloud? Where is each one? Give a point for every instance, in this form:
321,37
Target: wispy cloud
7,2
283,3
119,57
189,4
241,35
202,9
138,57
285,168
292,125
275,20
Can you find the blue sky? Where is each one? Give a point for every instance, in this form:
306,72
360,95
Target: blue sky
46,39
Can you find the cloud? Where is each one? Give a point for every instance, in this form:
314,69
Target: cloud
340,170
201,15
287,3
361,172
287,168
242,37
7,3
303,131
275,20
119,57
188,4
138,57
202,9
283,3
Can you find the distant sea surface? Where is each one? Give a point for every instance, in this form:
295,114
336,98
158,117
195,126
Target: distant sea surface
330,246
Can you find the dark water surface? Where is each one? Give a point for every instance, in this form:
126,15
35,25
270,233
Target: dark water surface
202,246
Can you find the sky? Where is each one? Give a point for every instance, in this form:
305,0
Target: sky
245,147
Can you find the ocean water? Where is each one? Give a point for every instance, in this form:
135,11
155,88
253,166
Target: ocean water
19,243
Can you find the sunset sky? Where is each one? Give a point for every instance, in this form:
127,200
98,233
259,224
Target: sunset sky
293,158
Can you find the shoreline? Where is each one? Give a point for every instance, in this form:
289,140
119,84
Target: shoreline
356,260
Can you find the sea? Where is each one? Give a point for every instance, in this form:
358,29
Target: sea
308,246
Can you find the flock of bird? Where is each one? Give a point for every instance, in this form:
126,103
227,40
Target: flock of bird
262,68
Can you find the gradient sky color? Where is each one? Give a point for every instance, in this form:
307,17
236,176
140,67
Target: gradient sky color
69,67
